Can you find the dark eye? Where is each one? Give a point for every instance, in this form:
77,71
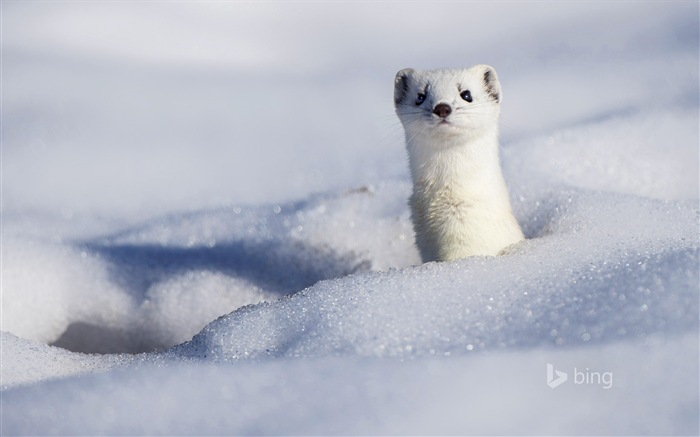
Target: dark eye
466,95
420,99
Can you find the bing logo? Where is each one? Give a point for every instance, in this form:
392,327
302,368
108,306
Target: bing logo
555,378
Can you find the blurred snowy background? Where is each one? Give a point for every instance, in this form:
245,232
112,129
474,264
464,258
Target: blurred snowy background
167,163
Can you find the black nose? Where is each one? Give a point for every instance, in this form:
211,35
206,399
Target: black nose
442,110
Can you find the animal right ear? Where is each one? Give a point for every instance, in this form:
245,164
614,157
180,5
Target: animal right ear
401,85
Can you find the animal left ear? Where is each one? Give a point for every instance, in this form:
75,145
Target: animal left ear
491,84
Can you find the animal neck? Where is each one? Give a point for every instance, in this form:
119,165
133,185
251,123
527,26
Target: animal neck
469,167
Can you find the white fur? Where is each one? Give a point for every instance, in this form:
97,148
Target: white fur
460,205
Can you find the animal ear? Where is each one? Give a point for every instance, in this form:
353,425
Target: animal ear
401,85
491,84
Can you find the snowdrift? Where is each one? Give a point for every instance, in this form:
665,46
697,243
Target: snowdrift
298,305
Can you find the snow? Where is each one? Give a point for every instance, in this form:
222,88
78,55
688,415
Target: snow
500,393
205,228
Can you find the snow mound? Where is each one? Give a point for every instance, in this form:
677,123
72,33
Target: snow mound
31,362
589,275
161,282
645,152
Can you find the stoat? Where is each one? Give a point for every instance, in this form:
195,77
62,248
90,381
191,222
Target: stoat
460,205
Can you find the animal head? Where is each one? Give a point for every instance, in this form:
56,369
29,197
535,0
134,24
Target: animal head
448,103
